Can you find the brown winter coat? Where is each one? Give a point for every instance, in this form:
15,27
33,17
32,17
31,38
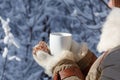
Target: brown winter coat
107,67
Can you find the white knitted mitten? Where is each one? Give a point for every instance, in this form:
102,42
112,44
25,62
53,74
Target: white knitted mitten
79,49
42,56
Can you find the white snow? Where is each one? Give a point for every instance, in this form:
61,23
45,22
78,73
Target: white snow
4,55
14,57
24,23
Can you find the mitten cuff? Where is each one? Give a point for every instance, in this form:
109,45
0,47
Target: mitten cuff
67,70
50,65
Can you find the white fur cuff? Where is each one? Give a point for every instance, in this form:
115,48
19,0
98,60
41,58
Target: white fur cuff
110,36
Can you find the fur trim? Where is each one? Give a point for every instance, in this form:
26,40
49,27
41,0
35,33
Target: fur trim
110,36
79,49
48,62
83,50
53,62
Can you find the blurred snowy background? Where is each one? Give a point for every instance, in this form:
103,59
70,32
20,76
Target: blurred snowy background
32,20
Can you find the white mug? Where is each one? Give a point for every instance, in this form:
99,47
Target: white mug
60,41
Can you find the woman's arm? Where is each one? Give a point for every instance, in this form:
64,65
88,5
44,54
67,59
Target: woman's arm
93,73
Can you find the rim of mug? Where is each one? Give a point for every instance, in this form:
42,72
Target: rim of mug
61,34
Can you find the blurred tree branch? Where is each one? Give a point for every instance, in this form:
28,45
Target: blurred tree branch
92,12
105,4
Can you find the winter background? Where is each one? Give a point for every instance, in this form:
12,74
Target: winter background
25,22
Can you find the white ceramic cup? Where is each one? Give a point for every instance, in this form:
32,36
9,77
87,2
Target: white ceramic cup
60,41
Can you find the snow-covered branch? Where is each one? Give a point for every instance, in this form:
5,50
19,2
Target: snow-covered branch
9,38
